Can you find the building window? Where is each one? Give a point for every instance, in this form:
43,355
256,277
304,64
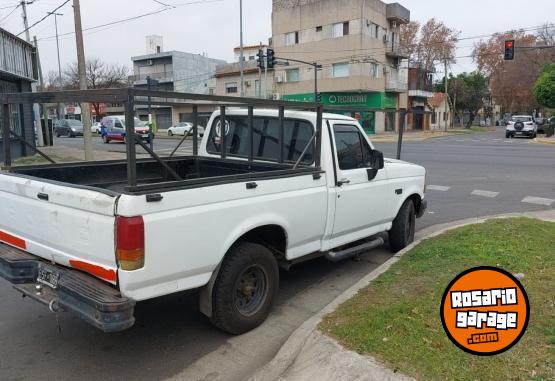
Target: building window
251,58
434,117
319,28
341,70
374,70
291,38
292,75
340,29
231,88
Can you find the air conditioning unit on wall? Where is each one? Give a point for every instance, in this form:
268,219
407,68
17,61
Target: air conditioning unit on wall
276,96
279,79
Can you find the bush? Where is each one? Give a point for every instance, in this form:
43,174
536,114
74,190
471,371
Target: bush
544,88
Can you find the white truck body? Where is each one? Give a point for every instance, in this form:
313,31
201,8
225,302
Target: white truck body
188,233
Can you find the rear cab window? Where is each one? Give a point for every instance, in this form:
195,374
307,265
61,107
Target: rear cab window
297,134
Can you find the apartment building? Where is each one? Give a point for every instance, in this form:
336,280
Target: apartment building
172,71
257,83
18,70
357,44
420,89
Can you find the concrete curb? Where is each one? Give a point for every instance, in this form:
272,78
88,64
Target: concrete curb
290,350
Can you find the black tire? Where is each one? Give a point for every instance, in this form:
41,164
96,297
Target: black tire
507,135
402,232
170,133
236,312
58,134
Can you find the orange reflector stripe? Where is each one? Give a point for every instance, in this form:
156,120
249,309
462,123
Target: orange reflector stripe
97,271
130,255
12,240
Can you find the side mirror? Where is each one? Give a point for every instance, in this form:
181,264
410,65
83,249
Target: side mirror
376,160
375,163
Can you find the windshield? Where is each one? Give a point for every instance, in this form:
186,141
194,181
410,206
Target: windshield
74,123
521,119
138,123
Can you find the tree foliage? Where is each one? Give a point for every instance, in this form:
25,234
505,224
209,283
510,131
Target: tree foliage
544,88
430,43
511,82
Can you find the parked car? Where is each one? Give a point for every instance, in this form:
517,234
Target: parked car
113,129
183,128
521,125
68,127
294,200
541,123
96,128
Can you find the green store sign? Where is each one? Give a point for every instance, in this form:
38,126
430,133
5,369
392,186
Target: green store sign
369,100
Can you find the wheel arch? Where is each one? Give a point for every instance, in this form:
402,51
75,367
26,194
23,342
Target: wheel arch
271,235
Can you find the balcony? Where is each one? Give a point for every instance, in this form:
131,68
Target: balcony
396,50
160,77
395,85
396,12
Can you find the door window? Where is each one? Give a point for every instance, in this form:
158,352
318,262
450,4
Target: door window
352,149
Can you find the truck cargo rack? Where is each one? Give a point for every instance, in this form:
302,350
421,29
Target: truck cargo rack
131,97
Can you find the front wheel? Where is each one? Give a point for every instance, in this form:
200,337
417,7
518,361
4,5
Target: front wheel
245,289
402,232
170,133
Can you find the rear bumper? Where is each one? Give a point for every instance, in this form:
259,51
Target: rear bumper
86,297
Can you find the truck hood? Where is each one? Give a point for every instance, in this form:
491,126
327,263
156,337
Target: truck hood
399,168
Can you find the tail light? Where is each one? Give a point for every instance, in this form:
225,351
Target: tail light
130,242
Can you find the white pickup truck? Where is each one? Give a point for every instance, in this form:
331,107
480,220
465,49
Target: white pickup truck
75,238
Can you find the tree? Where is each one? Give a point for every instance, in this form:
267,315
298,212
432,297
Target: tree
430,43
544,88
511,82
100,75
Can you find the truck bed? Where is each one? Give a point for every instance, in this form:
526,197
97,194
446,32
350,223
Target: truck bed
111,176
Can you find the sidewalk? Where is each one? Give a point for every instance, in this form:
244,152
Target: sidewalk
308,354
545,140
415,136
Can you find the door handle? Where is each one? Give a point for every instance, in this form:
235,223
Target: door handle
343,181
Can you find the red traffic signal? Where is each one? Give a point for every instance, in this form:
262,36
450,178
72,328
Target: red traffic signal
509,50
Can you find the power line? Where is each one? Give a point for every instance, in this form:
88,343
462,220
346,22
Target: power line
133,18
9,14
44,18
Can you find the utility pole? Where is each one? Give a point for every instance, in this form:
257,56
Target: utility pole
85,107
40,137
151,132
23,4
36,107
446,97
60,84
241,58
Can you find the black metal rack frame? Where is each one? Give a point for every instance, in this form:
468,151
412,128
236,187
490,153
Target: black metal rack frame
130,97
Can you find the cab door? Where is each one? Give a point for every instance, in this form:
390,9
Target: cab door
361,200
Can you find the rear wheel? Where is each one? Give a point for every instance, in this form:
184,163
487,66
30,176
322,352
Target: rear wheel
245,288
402,232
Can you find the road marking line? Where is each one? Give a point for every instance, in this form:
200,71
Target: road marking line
538,200
484,193
440,188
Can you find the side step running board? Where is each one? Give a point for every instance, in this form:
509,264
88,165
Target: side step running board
336,256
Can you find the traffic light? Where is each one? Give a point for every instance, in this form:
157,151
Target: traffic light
270,58
509,50
260,59
318,97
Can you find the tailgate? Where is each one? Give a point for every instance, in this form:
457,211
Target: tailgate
70,226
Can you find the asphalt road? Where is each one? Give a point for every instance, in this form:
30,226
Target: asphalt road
468,175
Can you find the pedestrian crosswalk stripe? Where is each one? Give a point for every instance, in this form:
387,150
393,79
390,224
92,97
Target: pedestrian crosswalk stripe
440,188
484,193
538,200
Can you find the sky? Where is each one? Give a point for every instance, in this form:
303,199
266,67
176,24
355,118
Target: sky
212,26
